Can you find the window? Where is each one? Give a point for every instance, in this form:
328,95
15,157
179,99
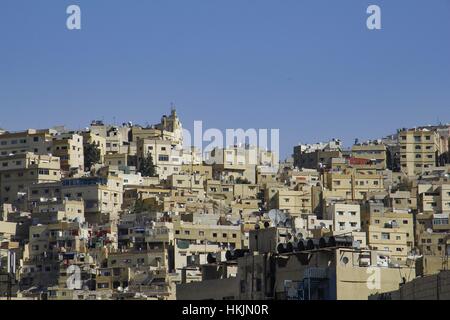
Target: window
163,158
385,236
103,285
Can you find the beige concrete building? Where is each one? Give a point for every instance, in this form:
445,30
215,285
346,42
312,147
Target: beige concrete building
391,232
34,141
166,158
346,217
352,185
69,148
373,151
419,150
19,172
91,138
169,129
434,287
204,234
434,197
198,169
339,274
293,202
54,211
102,197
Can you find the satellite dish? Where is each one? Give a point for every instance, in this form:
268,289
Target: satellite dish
277,217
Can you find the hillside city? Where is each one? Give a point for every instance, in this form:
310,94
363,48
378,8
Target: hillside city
126,212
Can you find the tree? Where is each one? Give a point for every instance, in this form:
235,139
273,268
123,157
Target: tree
91,155
241,180
146,166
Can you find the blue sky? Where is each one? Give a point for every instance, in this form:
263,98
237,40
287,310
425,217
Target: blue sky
310,68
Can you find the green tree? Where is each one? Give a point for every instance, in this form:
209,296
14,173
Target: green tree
240,180
146,166
91,155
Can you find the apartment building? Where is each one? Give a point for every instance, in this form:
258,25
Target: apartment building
375,212
31,140
166,158
48,246
19,172
69,148
102,196
48,212
116,138
220,191
192,156
419,150
266,174
97,140
170,129
234,163
351,185
375,152
222,235
313,156
198,169
434,197
293,202
193,183
346,217
402,200
7,230
332,274
388,231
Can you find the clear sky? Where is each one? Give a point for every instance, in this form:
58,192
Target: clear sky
310,68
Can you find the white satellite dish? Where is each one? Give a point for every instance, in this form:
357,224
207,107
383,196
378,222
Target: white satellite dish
277,216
